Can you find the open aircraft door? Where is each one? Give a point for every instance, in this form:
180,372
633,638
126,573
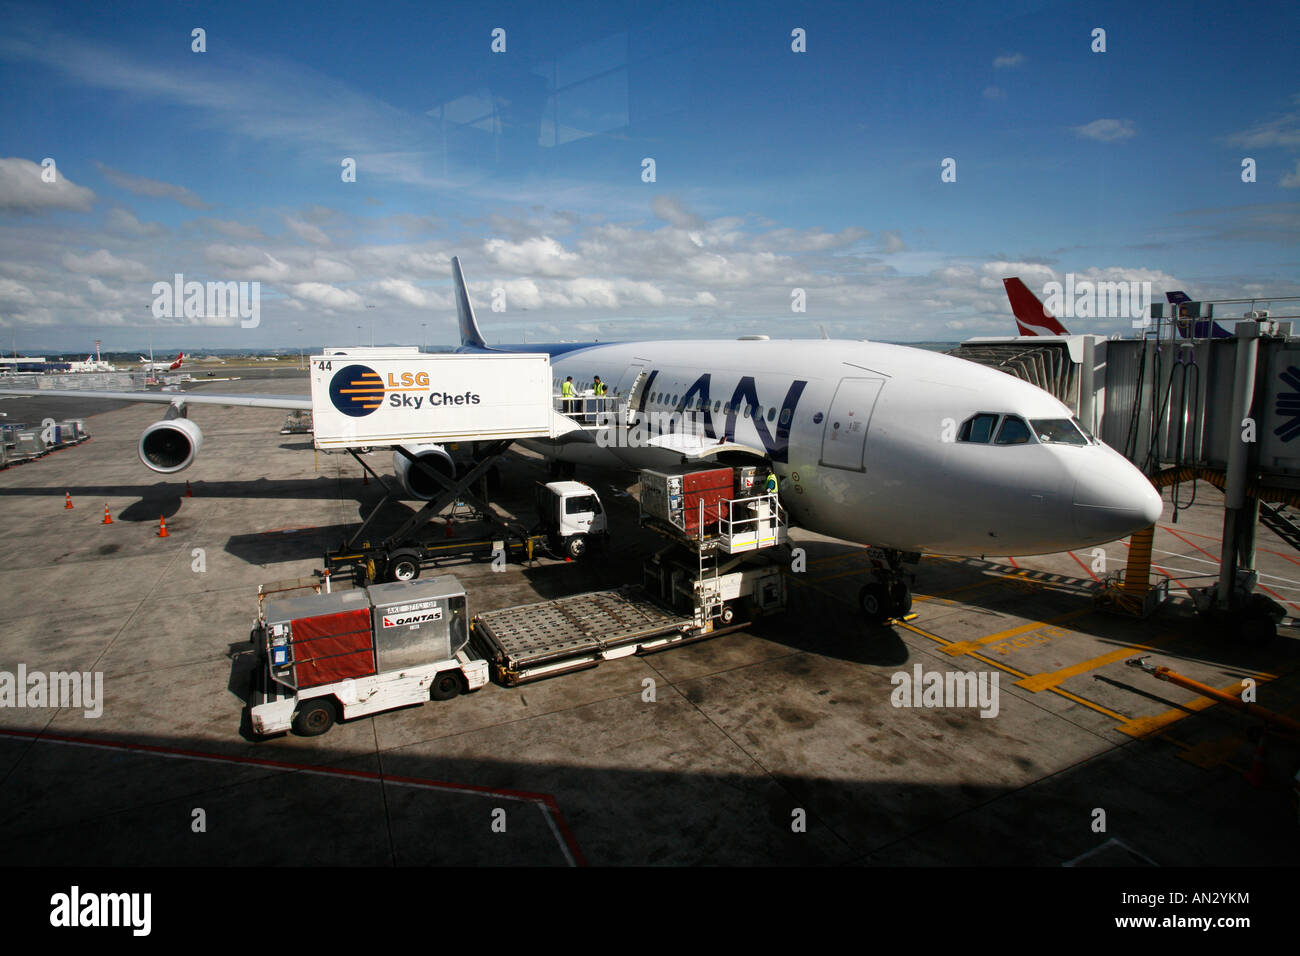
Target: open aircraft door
631,385
844,440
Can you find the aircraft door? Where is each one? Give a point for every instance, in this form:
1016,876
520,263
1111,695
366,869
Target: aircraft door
844,440
631,385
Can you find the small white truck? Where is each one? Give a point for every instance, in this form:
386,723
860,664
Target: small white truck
571,517
326,657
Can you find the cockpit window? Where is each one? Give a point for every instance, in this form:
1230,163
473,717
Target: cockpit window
1014,431
1058,431
978,429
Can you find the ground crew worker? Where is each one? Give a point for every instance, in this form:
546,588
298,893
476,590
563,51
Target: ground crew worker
769,487
566,392
598,389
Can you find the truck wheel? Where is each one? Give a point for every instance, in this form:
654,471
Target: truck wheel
727,615
314,717
576,546
403,566
446,685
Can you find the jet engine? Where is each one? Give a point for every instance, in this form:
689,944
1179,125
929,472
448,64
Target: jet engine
170,445
414,482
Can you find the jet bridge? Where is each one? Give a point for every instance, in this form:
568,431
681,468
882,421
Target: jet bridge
1194,397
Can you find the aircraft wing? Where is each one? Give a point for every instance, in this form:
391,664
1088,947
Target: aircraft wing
169,398
699,446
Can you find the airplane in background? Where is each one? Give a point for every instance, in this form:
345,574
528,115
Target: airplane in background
899,448
150,366
1032,317
1188,325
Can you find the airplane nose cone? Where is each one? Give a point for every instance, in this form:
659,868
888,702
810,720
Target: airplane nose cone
1112,499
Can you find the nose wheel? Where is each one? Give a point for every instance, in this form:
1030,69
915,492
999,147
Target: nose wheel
882,600
889,596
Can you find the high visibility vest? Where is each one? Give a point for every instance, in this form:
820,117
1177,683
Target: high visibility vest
566,390
770,487
600,388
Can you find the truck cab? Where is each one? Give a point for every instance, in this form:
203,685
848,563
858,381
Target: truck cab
572,515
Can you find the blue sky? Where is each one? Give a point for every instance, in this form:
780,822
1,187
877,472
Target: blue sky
775,170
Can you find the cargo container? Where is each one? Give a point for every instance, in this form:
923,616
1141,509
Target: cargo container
325,657
683,497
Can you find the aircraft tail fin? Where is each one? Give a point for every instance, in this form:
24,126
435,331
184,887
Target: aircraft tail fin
469,333
1032,317
1187,320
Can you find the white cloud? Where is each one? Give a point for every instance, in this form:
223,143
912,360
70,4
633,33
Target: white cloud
155,188
670,209
1106,130
103,263
326,295
1283,131
403,291
539,255
23,191
124,221
228,228
994,93
307,231
1292,179
1008,61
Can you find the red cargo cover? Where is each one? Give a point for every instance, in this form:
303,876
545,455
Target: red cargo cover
332,647
711,487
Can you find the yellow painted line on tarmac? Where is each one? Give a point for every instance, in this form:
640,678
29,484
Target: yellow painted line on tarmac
1105,711
1142,726
965,647
1051,678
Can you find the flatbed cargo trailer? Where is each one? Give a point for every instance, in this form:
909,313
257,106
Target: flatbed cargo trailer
533,641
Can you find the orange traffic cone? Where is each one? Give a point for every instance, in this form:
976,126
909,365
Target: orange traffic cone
448,532
67,504
162,527
188,493
108,518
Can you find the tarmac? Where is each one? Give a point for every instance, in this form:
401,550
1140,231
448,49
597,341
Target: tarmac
780,743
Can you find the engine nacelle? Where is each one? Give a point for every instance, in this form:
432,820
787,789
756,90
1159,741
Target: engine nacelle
170,445
414,482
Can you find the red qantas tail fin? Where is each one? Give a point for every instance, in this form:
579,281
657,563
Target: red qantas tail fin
1032,318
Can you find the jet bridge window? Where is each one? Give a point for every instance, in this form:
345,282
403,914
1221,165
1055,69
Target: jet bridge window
1014,431
1058,431
978,429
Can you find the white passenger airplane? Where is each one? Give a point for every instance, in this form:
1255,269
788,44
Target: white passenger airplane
150,366
900,448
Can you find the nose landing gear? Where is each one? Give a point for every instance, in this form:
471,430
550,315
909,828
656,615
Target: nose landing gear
889,597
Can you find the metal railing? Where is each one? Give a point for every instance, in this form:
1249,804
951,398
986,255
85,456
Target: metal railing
587,409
